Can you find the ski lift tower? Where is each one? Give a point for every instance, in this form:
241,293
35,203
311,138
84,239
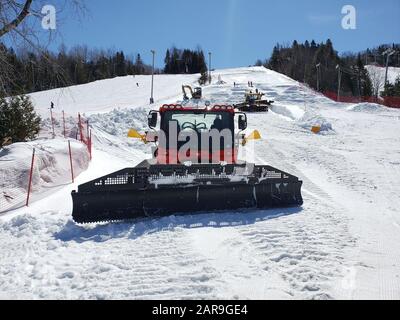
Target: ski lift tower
389,52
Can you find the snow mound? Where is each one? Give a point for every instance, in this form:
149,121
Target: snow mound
26,225
119,121
51,168
220,81
366,107
292,112
311,119
71,127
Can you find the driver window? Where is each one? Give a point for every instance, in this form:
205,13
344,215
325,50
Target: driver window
217,124
198,122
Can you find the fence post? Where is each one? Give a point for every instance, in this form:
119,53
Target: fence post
30,177
80,126
70,160
64,123
52,120
87,129
90,144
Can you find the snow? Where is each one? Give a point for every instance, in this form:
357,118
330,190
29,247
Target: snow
377,75
367,107
105,95
310,119
342,244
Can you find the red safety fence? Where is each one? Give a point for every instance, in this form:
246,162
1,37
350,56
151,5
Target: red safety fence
61,124
33,168
85,133
392,102
27,169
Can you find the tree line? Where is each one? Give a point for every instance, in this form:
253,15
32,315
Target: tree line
320,66
179,61
376,55
48,70
32,71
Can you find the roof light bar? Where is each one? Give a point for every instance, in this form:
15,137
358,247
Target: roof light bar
222,107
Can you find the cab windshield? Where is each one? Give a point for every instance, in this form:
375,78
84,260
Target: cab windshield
198,121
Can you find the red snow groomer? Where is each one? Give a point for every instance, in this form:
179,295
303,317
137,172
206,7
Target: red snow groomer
195,168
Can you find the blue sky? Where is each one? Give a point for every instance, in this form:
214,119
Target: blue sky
237,32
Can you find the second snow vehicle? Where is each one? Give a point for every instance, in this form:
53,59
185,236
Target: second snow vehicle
195,94
254,102
166,184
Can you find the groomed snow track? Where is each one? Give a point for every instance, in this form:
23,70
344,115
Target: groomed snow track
342,243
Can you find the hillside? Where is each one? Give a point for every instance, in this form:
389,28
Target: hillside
340,245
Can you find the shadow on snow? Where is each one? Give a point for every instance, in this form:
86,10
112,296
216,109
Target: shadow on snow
137,228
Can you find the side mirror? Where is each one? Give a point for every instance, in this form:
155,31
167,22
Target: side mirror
152,119
242,122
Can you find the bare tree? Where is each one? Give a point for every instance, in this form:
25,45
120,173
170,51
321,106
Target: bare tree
377,80
21,27
8,26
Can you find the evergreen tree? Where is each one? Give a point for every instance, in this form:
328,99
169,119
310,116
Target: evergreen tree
201,61
392,90
274,61
139,65
167,62
120,64
204,78
313,46
300,60
184,61
364,80
18,120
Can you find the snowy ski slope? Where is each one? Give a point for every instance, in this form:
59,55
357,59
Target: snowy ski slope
342,244
377,75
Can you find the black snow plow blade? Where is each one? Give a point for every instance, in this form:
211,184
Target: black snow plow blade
159,190
258,107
